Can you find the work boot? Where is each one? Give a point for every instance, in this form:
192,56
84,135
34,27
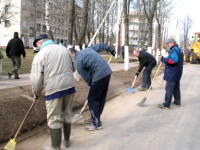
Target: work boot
56,137
9,75
142,89
17,77
66,132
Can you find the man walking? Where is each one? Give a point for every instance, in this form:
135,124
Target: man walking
14,50
148,61
172,75
52,68
96,73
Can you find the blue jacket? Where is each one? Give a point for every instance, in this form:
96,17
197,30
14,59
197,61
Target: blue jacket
173,64
90,65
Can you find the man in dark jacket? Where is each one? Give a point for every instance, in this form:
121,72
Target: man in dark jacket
148,61
172,75
14,50
96,73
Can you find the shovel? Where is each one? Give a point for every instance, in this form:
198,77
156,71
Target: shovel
78,116
12,143
131,89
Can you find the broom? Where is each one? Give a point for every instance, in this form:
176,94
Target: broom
12,143
140,104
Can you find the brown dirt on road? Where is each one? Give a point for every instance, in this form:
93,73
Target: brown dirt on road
13,107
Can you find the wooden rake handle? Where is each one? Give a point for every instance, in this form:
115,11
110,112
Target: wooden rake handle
24,119
153,79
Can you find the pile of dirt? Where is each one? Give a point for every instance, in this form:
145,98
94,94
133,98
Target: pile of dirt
13,107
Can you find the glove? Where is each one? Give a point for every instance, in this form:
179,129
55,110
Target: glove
137,74
113,52
35,97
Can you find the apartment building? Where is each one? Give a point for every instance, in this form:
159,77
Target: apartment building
28,18
137,29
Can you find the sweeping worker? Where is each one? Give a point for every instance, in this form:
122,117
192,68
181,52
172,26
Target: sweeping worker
96,73
52,69
149,62
172,74
14,50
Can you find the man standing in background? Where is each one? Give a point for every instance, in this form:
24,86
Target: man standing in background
14,50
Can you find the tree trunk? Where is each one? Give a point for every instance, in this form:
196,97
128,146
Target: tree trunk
71,22
150,15
50,34
84,23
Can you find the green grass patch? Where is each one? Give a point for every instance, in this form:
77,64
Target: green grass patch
26,63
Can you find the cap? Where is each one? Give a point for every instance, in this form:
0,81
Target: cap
40,37
171,40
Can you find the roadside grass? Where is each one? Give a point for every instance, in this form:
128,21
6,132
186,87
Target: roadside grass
26,63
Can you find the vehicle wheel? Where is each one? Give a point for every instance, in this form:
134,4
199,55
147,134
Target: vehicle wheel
193,58
187,59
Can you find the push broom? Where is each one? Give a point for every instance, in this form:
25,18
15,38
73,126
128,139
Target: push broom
12,143
131,89
140,104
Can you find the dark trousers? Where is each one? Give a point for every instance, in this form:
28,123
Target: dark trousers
97,98
146,79
172,89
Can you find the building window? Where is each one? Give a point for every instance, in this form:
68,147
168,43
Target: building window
7,23
7,9
39,2
58,31
31,31
33,3
38,27
39,14
53,30
43,16
43,28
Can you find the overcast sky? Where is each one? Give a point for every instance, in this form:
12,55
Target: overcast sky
184,8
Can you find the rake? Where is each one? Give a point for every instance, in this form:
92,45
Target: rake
141,103
12,143
131,89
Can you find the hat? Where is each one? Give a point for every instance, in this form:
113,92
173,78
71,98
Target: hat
16,34
171,40
40,37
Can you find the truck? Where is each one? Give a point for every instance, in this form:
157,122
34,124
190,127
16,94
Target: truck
194,52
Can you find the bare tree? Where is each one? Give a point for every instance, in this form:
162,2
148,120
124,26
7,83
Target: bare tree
187,23
126,4
47,15
84,22
71,21
149,9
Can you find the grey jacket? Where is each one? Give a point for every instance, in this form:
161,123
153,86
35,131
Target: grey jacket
90,65
52,69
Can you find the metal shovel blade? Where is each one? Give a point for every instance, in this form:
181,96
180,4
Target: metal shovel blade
77,117
130,90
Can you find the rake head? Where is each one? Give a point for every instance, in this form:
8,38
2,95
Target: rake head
10,145
130,90
140,104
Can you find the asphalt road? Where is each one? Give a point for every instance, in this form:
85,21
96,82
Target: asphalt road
129,127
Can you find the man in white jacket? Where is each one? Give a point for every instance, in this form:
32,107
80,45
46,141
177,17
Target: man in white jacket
52,69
